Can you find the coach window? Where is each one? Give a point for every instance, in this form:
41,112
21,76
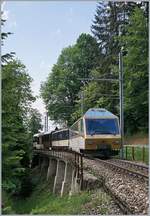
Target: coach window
55,136
66,134
60,135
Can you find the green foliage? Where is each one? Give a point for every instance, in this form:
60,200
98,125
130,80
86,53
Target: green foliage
138,153
7,203
16,100
136,73
61,90
43,202
98,58
34,122
5,58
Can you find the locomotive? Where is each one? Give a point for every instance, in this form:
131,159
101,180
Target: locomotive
96,133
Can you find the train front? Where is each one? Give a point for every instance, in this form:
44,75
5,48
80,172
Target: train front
102,133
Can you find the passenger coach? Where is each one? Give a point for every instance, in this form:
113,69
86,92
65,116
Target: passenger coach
37,141
60,139
96,133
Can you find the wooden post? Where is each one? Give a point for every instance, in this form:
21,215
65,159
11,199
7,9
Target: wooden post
81,172
78,165
143,153
126,152
133,153
75,159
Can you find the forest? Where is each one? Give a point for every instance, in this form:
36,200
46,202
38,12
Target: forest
72,86
96,56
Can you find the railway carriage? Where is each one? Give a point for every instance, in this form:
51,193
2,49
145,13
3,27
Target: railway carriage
60,139
96,133
47,140
37,141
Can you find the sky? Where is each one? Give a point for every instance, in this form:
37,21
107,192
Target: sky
41,29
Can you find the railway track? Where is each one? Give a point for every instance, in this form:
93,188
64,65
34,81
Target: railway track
126,210
132,165
126,195
131,168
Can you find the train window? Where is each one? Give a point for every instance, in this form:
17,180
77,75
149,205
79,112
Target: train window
54,136
65,135
102,126
60,135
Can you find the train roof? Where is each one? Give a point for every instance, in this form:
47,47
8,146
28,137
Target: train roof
59,130
47,132
99,113
36,135
42,134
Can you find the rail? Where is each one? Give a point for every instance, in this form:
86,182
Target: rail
124,169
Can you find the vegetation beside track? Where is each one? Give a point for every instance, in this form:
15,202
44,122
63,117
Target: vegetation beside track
135,153
136,139
42,201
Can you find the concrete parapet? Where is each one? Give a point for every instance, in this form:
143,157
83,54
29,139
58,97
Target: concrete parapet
66,184
44,166
60,171
75,184
51,172
61,175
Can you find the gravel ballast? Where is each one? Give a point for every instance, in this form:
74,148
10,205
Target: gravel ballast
132,191
101,204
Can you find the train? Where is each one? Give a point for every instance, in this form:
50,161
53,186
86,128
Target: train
96,133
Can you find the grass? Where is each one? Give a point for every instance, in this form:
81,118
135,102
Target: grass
138,154
43,202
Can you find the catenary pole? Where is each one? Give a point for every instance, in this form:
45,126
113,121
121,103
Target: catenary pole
121,100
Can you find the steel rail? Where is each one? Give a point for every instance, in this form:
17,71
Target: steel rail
122,205
126,170
131,164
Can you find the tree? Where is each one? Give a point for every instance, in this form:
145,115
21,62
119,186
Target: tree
8,56
16,102
109,17
61,90
35,122
109,20
136,73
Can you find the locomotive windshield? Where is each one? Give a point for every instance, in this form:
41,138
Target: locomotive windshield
101,126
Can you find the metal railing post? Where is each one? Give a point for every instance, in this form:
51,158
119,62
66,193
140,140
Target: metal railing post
81,172
143,153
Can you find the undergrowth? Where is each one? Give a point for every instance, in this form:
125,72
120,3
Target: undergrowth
42,201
